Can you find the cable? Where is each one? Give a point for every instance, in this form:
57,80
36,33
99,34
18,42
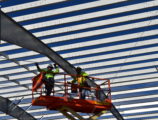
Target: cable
141,35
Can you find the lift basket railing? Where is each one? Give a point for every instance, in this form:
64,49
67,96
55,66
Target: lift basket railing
71,90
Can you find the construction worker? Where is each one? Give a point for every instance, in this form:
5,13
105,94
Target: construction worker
81,78
48,78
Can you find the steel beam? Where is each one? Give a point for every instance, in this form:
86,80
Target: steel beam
12,109
13,33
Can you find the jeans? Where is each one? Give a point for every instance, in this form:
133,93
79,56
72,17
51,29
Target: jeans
49,85
84,93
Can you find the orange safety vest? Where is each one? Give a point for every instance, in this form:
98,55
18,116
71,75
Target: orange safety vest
37,82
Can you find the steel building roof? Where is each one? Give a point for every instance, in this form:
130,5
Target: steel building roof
114,39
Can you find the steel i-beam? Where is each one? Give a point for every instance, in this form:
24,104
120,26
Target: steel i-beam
13,33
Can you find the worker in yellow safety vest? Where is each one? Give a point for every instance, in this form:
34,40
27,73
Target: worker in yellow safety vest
48,78
81,79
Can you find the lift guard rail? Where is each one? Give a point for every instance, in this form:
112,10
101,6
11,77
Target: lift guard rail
68,86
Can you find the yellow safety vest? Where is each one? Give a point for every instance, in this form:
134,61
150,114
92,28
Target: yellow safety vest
50,74
80,79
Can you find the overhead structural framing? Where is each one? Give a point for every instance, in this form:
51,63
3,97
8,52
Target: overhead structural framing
12,109
13,33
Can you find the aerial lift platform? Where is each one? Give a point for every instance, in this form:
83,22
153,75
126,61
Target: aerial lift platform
68,102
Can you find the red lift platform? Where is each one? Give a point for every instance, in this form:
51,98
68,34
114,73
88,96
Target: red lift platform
67,101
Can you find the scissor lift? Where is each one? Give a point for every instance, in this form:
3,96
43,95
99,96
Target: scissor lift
69,103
